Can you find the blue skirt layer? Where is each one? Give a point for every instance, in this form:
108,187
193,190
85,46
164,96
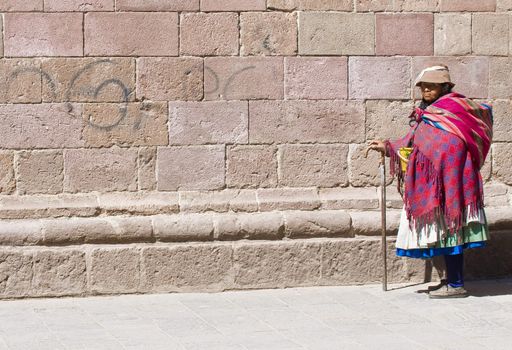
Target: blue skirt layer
425,253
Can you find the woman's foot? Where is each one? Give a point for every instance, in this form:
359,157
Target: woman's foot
442,283
448,292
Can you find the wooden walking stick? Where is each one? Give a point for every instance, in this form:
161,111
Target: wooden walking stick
382,203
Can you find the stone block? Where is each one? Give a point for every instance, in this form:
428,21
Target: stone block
490,34
40,126
452,34
470,74
61,33
492,262
311,5
500,78
146,167
499,219
78,5
496,194
360,261
288,199
21,232
40,172
364,171
313,165
233,5
502,127
186,268
15,273
315,78
170,78
21,6
268,33
157,5
114,270
191,168
97,230
126,124
230,200
502,162
243,78
59,272
276,264
397,5
306,121
468,6
2,37
368,223
183,227
156,34
324,223
41,206
138,203
212,122
231,227
387,119
283,5
330,33
348,198
379,77
397,34
503,5
7,177
22,80
104,170
88,79
251,166
209,34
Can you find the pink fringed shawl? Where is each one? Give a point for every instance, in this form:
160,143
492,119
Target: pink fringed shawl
442,180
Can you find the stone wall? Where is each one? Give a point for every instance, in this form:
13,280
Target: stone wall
180,145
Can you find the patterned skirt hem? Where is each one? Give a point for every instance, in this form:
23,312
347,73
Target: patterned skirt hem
426,253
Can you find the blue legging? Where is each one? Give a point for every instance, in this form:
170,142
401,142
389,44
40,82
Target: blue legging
455,269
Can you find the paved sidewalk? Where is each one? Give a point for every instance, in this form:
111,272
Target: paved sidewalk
361,317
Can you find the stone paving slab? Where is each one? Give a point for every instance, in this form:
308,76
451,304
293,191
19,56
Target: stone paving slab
354,317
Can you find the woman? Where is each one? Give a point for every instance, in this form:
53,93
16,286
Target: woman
441,186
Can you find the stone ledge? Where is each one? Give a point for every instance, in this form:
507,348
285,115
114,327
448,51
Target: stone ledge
217,266
228,200
200,227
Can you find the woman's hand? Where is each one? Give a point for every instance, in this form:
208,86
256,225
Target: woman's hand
377,145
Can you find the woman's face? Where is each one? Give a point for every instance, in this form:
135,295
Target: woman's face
430,91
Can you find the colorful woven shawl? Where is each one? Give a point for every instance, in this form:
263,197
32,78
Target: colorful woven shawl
442,180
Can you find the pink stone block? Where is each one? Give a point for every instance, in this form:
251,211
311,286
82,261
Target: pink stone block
21,5
306,121
170,78
131,34
209,34
196,123
191,168
157,5
233,5
316,78
25,33
379,77
470,74
468,5
243,78
78,5
405,34
40,126
313,165
105,170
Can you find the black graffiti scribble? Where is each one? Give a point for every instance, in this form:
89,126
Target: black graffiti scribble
227,86
74,90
